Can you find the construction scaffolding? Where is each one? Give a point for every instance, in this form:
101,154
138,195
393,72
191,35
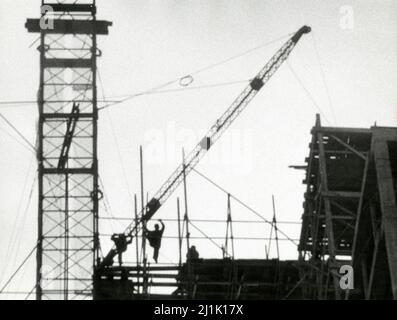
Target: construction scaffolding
67,148
350,213
204,279
201,278
374,256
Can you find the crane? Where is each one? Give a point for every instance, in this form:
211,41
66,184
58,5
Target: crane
214,133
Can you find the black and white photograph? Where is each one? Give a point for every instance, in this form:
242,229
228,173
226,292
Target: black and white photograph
200,154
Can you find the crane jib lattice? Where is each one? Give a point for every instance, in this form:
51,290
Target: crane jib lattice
215,132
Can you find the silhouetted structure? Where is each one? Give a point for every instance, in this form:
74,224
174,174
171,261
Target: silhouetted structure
350,213
205,279
67,245
350,210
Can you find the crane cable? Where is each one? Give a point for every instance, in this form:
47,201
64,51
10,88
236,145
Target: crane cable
208,237
206,86
243,204
19,217
16,244
307,92
323,78
16,140
190,75
180,80
19,268
18,132
117,145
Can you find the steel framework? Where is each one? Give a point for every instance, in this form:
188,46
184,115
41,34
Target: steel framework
334,175
67,246
374,257
350,213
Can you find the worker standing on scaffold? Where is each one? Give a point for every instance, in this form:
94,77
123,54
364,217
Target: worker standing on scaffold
121,242
192,254
154,238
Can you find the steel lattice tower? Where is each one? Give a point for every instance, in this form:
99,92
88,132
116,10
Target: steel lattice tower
67,246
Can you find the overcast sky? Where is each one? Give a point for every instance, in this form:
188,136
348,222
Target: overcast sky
347,65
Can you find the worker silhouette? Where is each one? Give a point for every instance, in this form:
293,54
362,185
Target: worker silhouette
121,242
192,254
154,238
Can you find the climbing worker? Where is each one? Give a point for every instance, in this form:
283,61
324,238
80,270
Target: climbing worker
192,254
154,238
121,242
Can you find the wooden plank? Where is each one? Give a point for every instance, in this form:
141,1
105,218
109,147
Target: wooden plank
328,212
388,206
323,216
343,130
359,209
341,194
356,152
345,210
149,268
373,266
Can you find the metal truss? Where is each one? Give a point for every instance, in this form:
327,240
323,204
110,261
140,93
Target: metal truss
67,150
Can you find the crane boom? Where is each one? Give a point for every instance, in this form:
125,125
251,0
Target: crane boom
214,133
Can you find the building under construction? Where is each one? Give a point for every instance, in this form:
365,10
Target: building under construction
349,210
349,219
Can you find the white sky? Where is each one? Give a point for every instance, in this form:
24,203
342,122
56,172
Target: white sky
152,42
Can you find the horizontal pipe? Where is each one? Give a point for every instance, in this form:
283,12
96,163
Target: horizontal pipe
204,220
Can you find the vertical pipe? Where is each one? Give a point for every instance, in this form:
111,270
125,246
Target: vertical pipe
95,143
39,252
141,172
136,238
270,235
275,227
143,223
274,222
66,253
225,247
185,198
186,218
179,232
231,223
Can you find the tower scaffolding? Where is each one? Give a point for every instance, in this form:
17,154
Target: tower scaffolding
67,245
